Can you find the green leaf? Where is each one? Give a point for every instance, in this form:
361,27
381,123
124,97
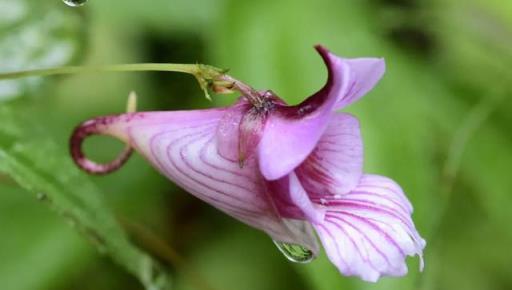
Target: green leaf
36,241
251,259
43,168
36,34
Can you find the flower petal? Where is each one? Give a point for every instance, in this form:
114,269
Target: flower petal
369,232
183,146
336,164
301,199
228,131
292,200
291,133
365,73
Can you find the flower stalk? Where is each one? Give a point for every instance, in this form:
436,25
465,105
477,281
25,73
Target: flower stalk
208,77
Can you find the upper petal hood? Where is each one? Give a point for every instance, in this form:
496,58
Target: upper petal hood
292,133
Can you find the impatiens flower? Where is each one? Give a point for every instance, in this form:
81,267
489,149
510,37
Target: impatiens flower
289,171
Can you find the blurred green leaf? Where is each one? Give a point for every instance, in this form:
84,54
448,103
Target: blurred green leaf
475,37
44,169
38,251
241,258
36,34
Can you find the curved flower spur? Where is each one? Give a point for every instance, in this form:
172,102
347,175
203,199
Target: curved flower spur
286,170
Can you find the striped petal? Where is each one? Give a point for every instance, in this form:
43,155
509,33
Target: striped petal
369,231
183,146
336,164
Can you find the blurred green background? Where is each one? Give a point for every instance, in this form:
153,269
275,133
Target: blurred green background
439,123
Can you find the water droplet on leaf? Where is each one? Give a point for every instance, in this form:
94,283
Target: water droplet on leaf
74,3
295,253
42,196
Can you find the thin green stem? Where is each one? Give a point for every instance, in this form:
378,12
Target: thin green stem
193,69
204,74
207,76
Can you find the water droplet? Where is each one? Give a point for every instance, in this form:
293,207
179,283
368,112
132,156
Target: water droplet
74,3
295,253
41,196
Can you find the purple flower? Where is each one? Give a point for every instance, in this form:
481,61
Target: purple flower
286,170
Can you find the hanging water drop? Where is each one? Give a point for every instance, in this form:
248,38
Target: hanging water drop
75,3
295,253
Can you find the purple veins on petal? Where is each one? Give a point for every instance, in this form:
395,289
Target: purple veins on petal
378,234
182,145
336,164
286,170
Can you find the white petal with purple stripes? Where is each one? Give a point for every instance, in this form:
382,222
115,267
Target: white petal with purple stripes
369,232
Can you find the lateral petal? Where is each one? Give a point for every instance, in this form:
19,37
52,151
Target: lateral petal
336,164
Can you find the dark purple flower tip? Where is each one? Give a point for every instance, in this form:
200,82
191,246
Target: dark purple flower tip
95,126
